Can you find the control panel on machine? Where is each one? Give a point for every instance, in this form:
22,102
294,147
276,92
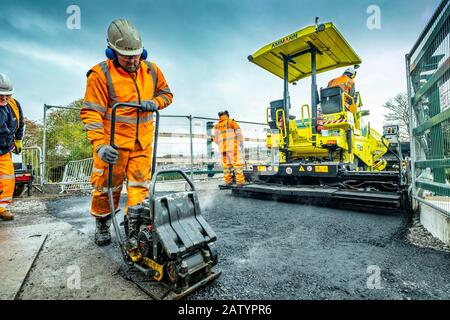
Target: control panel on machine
391,134
390,130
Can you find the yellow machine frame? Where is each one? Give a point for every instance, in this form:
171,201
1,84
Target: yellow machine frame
309,51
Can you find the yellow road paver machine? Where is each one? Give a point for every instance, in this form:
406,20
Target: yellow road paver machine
329,154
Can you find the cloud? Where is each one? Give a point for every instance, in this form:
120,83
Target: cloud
201,47
33,23
67,59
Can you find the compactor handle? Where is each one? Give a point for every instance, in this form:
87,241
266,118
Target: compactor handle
113,130
114,108
159,172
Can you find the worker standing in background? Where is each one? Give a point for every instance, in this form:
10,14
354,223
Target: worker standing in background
228,136
11,133
347,84
125,76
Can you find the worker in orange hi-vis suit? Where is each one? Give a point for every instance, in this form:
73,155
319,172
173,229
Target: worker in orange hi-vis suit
125,76
228,136
11,133
347,84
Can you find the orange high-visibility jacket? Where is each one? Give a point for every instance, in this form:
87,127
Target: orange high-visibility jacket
227,134
107,84
345,82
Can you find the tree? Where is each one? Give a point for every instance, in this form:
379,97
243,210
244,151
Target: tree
66,139
33,133
398,113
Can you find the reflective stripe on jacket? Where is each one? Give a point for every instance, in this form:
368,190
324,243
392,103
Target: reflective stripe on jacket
227,134
107,84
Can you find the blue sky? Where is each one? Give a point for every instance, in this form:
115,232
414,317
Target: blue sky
202,48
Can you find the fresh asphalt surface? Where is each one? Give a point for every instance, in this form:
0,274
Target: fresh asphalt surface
275,250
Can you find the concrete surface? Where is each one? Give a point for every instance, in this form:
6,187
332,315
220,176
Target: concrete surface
436,222
70,266
67,265
20,246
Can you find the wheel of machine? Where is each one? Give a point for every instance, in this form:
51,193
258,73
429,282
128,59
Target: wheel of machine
172,272
18,190
145,243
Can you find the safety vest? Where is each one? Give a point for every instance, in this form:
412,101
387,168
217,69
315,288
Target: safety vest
227,134
344,82
8,130
15,107
108,84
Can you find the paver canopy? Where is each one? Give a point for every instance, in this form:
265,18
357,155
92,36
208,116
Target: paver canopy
334,52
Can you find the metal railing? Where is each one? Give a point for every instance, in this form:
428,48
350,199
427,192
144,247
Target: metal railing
32,156
77,175
428,79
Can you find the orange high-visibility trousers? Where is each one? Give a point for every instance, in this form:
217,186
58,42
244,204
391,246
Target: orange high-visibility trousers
7,179
232,160
135,165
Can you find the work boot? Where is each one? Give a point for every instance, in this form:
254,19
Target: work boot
6,215
102,235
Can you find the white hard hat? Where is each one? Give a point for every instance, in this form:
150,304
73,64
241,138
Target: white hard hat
351,71
6,87
124,38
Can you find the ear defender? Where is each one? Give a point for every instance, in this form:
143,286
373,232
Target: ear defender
144,54
110,54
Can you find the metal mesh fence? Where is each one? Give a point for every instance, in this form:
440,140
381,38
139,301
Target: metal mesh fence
184,142
181,137
428,72
64,141
32,156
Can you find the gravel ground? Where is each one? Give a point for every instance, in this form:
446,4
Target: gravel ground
420,236
274,250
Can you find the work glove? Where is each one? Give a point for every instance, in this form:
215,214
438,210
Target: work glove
18,146
108,153
149,106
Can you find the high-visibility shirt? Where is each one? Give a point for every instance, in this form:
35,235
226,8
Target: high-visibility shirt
11,125
108,83
227,134
345,82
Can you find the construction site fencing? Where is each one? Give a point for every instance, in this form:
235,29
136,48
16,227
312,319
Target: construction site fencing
77,175
184,142
32,157
428,75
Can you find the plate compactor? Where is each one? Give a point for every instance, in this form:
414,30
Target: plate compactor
168,248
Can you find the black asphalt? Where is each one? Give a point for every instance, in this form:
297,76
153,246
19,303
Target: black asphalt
275,250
